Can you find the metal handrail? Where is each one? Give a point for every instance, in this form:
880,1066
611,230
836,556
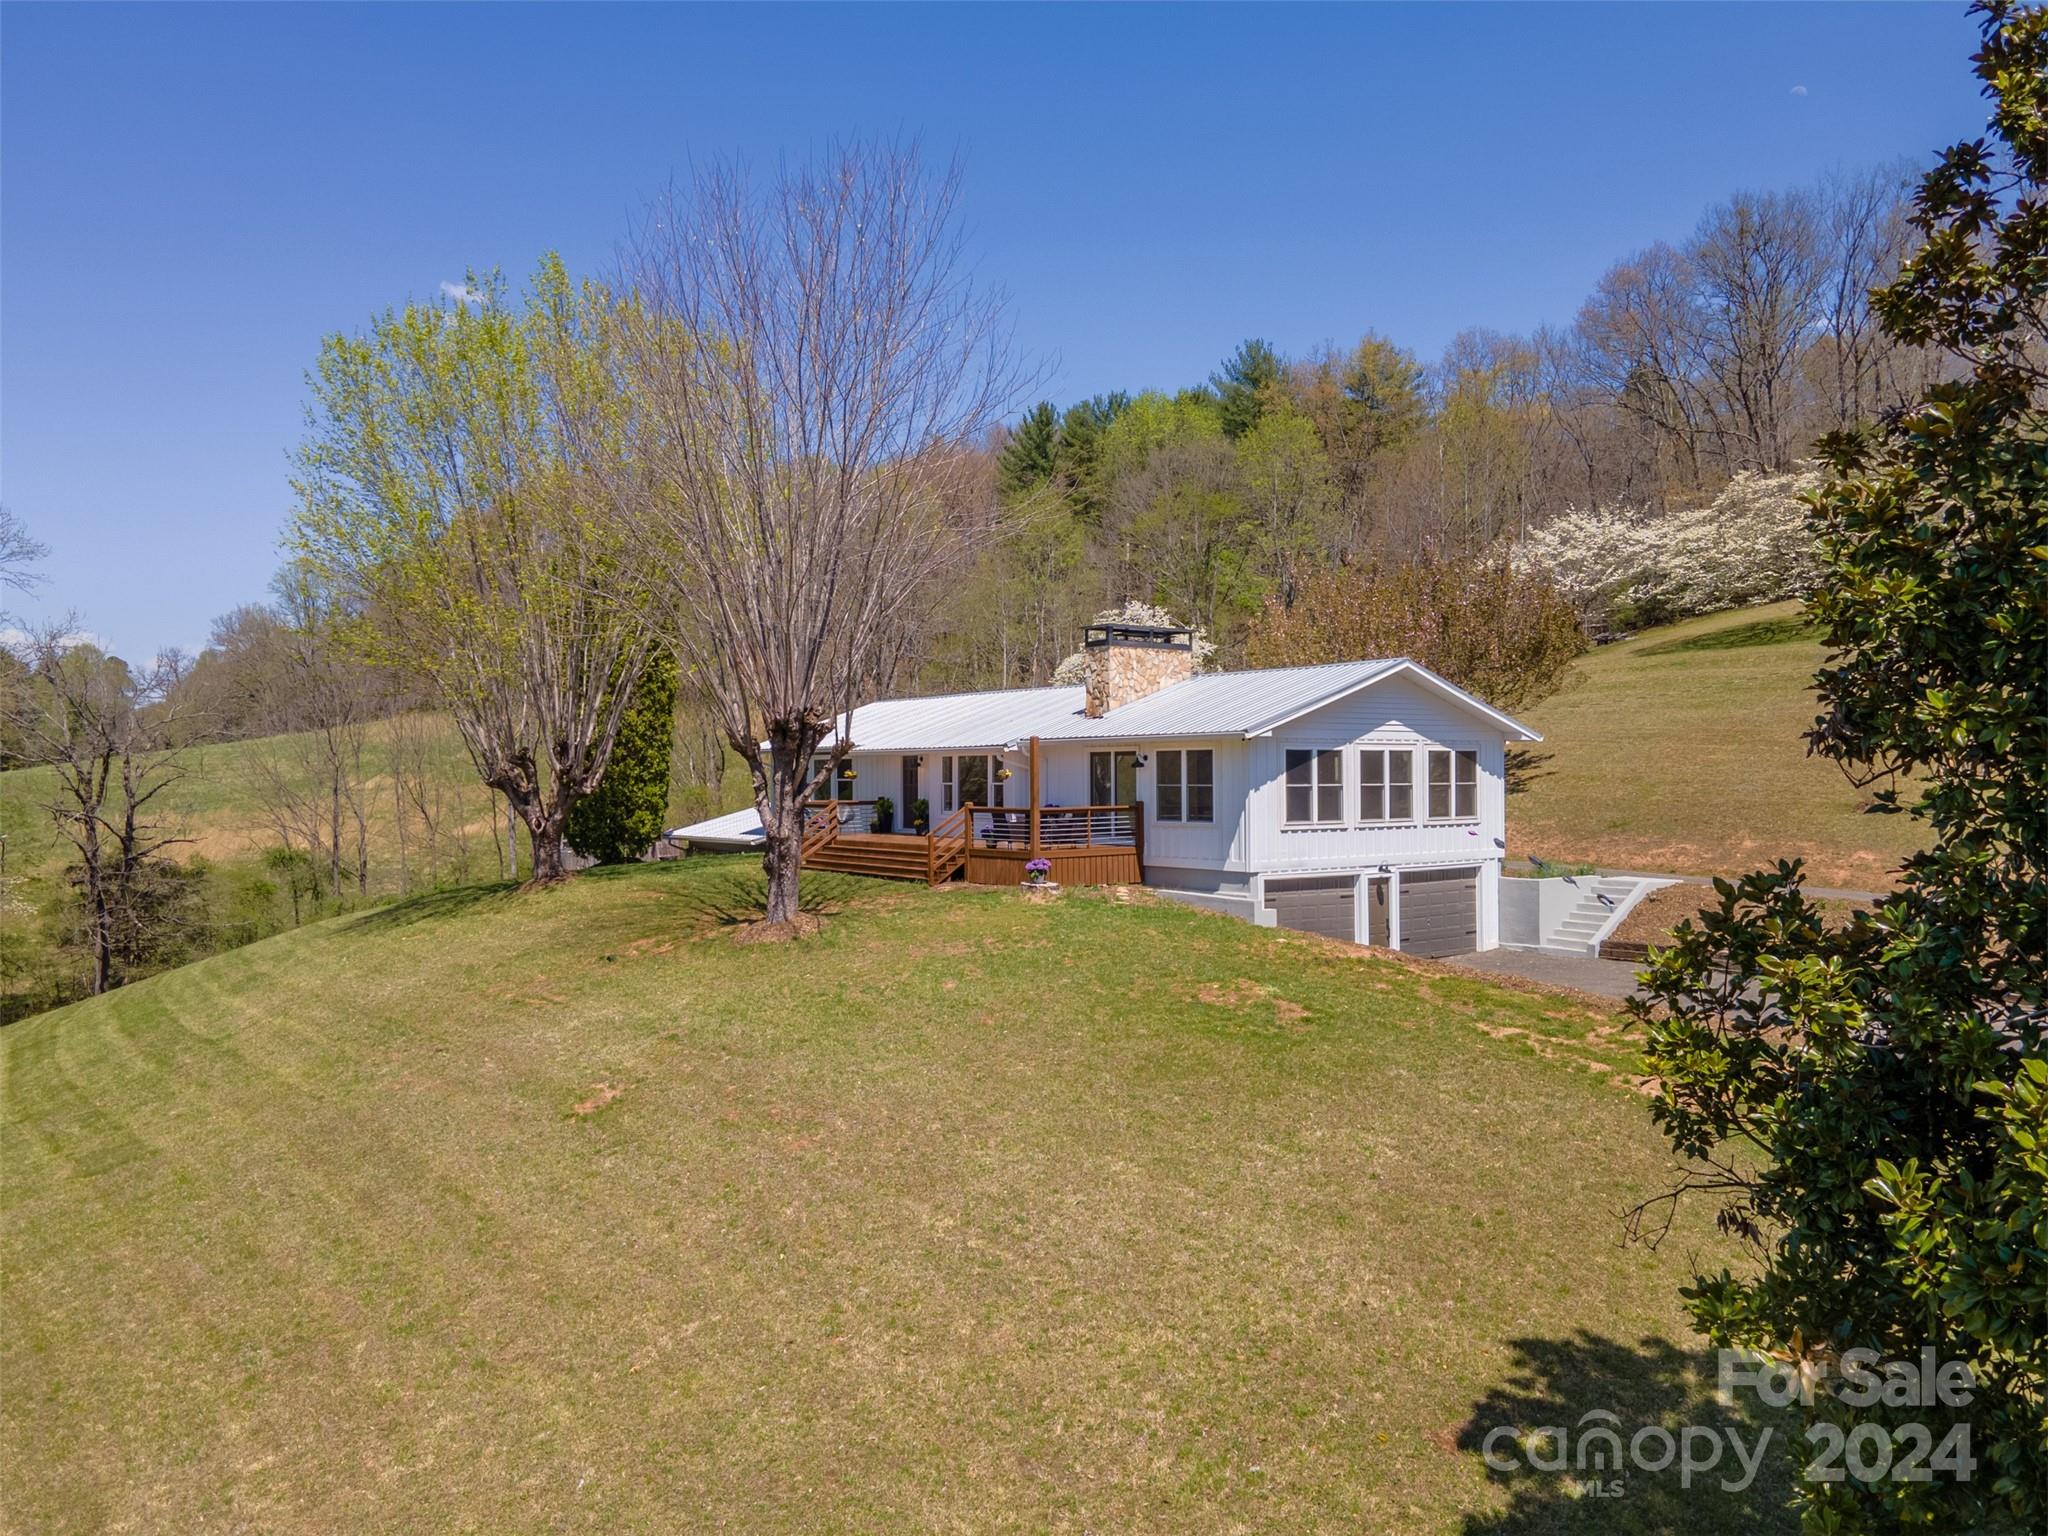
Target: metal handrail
851,815
1059,826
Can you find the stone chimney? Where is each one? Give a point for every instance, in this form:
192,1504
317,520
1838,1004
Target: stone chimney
1123,662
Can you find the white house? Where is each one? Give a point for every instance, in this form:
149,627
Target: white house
1364,800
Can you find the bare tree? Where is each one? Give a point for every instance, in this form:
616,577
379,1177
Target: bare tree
817,369
1756,265
1642,339
314,704
17,553
111,749
1858,371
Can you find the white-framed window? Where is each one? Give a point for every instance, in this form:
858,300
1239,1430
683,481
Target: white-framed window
1453,784
1315,786
1185,785
970,779
840,788
1386,784
1201,785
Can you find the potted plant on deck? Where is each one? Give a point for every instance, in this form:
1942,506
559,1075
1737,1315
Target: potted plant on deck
885,814
920,816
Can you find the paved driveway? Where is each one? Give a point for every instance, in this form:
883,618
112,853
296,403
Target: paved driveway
1605,978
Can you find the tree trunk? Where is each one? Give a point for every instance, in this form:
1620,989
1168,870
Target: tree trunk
100,913
547,848
782,825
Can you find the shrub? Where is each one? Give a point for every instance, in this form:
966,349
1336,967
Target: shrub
616,822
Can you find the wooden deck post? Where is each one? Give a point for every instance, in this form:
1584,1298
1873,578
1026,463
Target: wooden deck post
1138,835
1034,797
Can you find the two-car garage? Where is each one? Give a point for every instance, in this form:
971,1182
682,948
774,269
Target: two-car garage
1436,911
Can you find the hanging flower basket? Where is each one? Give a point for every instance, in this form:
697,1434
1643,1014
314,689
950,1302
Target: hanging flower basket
1002,773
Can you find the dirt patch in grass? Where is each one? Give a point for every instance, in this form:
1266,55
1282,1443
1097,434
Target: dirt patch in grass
1651,920
601,1095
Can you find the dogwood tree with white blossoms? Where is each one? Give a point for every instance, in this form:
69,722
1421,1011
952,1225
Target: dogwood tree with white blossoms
1750,544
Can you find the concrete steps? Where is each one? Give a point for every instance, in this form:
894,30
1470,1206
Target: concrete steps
1589,918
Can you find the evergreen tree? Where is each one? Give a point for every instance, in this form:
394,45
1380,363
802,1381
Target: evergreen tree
1029,459
1080,450
1245,385
617,821
1870,1103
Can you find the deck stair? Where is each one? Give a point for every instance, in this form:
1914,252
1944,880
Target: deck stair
840,837
886,856
989,845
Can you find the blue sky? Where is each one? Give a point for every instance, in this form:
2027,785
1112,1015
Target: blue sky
192,196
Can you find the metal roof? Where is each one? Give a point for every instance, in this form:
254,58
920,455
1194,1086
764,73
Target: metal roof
735,829
1209,704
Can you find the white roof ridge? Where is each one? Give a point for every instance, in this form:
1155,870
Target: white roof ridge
970,693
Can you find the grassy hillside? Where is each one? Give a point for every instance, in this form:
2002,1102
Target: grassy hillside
1681,749
222,805
505,1212
219,801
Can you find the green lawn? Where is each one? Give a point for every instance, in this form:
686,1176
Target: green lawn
497,1212
1681,750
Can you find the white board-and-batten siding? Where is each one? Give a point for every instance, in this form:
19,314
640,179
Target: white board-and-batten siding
1399,714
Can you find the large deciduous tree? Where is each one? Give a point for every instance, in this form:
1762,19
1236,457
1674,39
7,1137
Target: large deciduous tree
456,490
1870,1103
1506,634
817,369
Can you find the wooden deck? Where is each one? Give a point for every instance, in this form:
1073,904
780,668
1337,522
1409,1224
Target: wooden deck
1084,844
1070,866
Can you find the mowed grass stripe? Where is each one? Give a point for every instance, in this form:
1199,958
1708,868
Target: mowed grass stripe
969,1214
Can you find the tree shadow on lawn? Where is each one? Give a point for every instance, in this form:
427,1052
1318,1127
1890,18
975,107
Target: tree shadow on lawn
741,896
1573,1385
731,898
1781,631
430,906
1525,767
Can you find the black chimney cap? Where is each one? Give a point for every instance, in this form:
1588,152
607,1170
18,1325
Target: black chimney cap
1162,636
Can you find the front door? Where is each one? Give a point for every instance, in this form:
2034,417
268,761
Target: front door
1376,912
906,811
1112,778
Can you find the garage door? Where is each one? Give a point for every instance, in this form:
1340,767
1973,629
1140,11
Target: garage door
1439,911
1327,905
